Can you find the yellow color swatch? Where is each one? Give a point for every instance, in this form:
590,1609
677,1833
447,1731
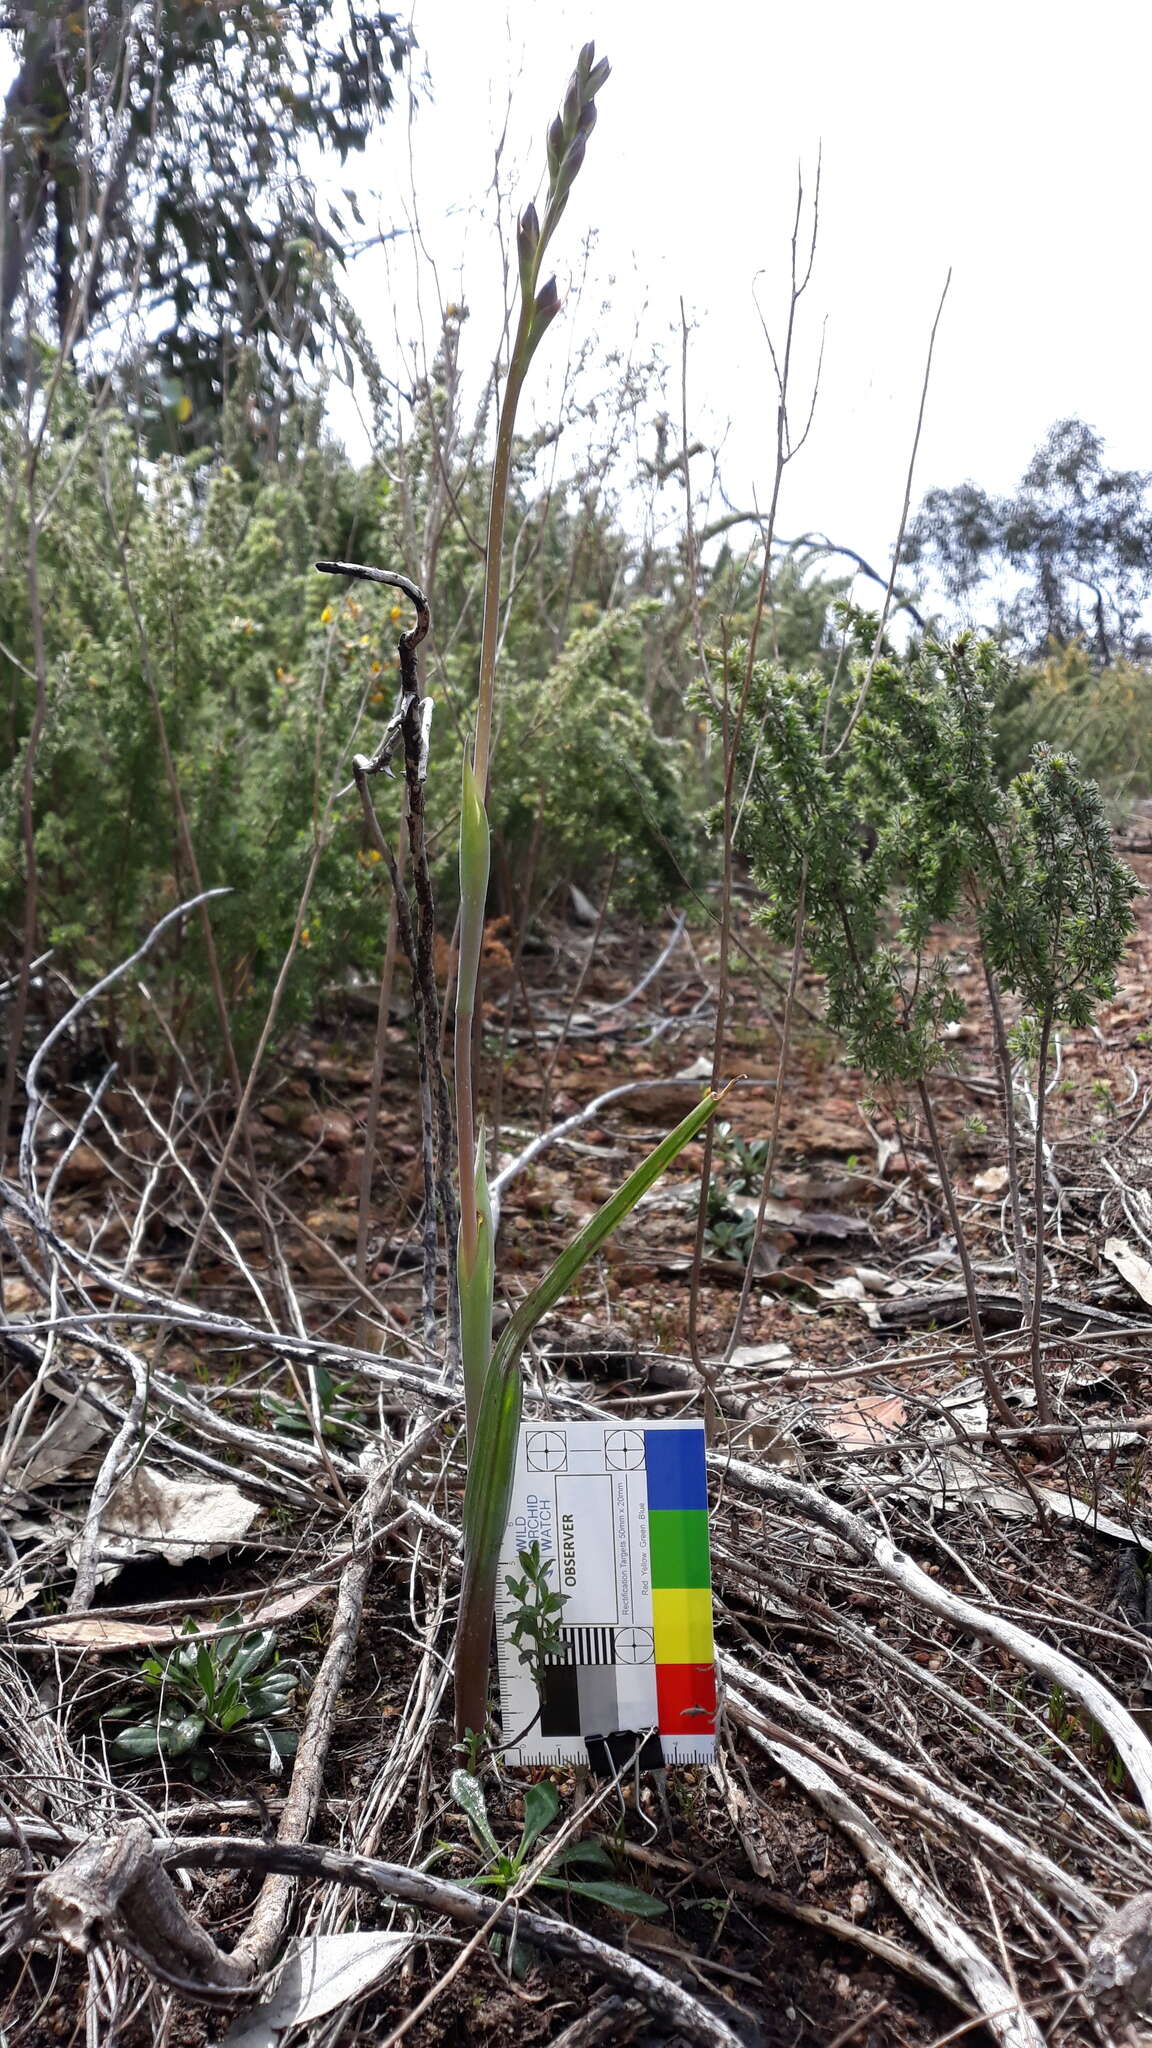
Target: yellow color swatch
682,1620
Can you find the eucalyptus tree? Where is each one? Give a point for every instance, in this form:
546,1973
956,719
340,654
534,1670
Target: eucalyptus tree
166,156
1064,558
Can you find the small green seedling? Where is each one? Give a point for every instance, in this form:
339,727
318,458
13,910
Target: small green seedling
503,1869
225,1687
536,1614
340,1420
1063,1723
745,1160
728,1233
730,1230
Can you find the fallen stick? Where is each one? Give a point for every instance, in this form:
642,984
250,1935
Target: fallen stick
260,1943
835,1925
119,1887
1004,2016
1129,1741
963,1817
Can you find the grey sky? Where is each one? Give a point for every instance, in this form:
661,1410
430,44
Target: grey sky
1007,141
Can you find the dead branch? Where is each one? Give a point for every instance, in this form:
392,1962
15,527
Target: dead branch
117,1890
105,1890
1129,1741
836,1925
261,1941
1050,1664
1119,1981
960,1814
1004,2016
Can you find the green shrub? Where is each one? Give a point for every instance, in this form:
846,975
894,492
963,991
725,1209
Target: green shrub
1103,716
176,591
580,753
185,591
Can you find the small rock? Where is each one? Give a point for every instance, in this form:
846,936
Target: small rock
330,1128
83,1166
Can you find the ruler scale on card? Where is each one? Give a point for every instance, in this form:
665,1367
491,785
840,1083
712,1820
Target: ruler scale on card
620,1511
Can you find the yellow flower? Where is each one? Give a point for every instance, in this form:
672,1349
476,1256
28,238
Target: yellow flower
305,937
374,668
326,616
395,613
377,697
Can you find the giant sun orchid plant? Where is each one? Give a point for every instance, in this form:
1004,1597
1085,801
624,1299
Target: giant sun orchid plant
492,1375
493,1389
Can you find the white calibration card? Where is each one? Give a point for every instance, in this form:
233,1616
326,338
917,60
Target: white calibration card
620,1512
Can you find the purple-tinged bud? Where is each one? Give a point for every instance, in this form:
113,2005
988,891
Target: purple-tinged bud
546,307
527,245
574,157
555,146
588,118
573,100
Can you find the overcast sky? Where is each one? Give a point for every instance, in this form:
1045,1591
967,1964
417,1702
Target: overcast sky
1005,141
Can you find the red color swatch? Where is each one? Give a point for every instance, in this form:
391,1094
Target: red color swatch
686,1699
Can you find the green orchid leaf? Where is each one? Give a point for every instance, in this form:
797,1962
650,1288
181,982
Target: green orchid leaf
253,1651
181,1736
492,1460
592,1854
541,1805
475,864
622,1898
468,1793
136,1743
476,1284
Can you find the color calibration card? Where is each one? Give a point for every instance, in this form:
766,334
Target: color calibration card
621,1511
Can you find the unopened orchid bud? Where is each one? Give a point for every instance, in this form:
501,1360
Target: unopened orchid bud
556,139
546,307
527,244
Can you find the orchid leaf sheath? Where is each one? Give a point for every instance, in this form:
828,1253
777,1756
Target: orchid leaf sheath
492,1461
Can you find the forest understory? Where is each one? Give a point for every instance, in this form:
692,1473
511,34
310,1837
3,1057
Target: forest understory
934,1774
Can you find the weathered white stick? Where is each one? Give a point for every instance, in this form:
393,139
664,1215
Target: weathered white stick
1031,1863
1129,1742
1004,2016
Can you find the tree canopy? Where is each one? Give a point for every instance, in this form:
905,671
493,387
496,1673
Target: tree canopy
164,157
1065,558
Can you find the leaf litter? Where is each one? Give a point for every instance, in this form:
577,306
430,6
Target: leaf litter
887,1418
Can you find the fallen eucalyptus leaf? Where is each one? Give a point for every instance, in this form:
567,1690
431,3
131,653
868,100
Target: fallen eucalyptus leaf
177,1519
319,1974
68,1437
20,1594
761,1354
870,1419
1131,1267
100,1632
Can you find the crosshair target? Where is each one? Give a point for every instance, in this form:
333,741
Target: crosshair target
624,1450
546,1451
635,1646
